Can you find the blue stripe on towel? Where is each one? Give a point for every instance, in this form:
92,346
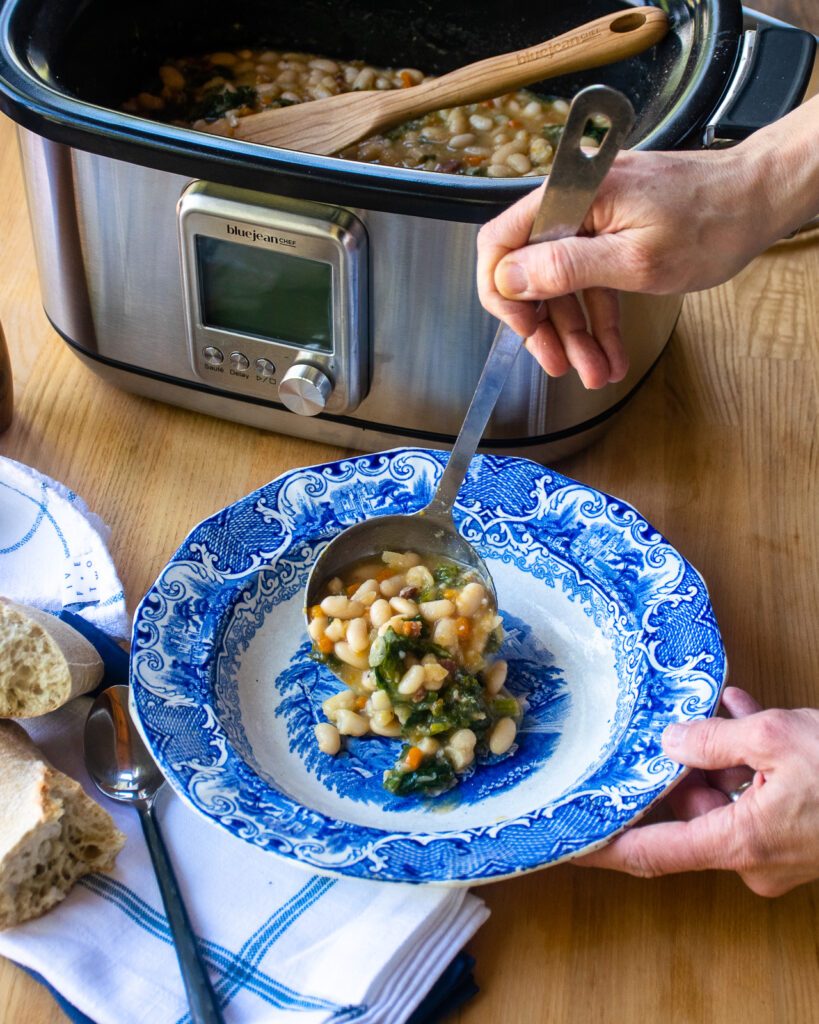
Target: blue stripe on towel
238,970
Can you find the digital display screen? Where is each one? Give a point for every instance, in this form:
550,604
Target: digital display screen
250,290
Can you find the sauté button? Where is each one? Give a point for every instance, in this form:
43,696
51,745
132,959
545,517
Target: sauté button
239,361
213,356
265,368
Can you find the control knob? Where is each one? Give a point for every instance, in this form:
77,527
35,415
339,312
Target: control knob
304,389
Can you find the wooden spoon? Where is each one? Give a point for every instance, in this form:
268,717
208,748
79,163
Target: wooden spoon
327,126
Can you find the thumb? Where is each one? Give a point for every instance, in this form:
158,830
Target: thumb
550,269
712,743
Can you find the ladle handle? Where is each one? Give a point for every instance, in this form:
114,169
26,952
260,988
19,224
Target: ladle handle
570,190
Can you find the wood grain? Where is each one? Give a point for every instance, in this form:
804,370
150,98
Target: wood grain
353,116
718,450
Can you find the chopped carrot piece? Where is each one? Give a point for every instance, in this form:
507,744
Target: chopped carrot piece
316,611
413,759
463,627
406,79
353,587
450,594
360,702
513,123
473,161
325,645
384,574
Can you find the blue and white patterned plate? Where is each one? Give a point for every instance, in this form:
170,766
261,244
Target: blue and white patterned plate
610,635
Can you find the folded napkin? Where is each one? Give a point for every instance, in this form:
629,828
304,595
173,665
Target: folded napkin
53,551
281,943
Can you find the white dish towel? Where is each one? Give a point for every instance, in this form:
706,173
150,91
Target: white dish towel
282,944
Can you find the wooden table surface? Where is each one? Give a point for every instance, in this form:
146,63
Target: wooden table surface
718,450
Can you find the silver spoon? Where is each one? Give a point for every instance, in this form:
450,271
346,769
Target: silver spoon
572,185
123,769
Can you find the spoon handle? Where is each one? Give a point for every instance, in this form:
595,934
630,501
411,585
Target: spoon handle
204,1007
570,190
616,36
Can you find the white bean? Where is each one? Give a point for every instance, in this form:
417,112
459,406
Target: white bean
419,576
495,677
481,123
532,109
461,749
503,735
499,171
336,586
397,560
445,633
345,653
461,141
519,162
404,606
380,701
560,107
391,586
412,680
324,64
428,746
336,630
342,701
368,681
358,635
351,724
434,610
469,599
317,627
365,79
367,587
327,738
391,728
380,612
338,606
502,152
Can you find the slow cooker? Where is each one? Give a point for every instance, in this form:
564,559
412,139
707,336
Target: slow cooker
122,209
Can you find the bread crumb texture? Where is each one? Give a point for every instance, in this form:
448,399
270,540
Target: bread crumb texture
51,832
43,662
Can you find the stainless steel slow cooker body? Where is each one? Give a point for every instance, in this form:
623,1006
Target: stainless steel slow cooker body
104,193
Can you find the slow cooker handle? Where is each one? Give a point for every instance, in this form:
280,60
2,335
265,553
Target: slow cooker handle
774,68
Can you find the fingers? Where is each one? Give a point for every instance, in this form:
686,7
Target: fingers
704,842
738,703
550,269
603,306
695,796
546,347
582,351
757,739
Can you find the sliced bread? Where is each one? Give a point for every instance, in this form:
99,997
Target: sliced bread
51,832
44,662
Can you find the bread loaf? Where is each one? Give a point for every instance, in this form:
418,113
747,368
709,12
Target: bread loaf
51,832
43,662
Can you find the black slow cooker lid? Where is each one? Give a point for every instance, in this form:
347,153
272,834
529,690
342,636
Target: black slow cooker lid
65,68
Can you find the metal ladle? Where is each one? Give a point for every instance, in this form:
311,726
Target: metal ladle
122,769
571,187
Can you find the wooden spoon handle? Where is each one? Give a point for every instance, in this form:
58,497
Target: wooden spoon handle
604,41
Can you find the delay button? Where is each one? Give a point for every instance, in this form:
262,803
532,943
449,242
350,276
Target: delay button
265,368
213,356
239,361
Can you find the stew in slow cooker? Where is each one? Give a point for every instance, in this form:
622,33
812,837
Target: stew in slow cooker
512,136
413,638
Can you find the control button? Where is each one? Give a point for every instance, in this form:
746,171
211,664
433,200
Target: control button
213,356
239,361
305,390
265,368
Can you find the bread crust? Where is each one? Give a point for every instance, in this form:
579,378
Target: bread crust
44,662
51,832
